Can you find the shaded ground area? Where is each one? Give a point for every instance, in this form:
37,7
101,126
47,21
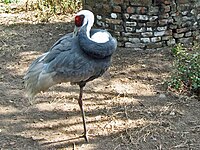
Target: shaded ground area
125,109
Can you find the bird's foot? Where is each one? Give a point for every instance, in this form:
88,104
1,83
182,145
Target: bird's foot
85,136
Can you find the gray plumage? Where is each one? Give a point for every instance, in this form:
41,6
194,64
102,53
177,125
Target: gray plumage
68,61
76,58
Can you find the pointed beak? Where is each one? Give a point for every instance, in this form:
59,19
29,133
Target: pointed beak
76,29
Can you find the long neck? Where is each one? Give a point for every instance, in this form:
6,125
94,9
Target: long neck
88,26
92,48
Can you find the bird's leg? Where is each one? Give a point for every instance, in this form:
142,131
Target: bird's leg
80,102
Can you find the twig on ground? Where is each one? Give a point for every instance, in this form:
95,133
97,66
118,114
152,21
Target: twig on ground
117,146
125,112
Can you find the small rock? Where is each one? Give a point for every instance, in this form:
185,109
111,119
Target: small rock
98,118
172,113
12,143
99,17
162,96
143,66
113,15
11,101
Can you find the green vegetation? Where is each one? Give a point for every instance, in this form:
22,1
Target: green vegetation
58,6
54,6
43,9
185,77
9,1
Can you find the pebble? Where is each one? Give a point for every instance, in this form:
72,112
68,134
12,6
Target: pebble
172,113
162,96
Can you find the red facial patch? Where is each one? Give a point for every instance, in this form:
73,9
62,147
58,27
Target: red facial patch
79,20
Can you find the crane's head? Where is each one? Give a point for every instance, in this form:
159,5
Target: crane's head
82,18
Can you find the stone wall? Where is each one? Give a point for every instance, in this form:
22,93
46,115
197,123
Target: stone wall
148,24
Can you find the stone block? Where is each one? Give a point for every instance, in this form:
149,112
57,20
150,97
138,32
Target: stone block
130,10
173,8
188,40
142,24
165,16
100,23
173,26
162,28
159,33
126,34
181,30
198,16
167,2
186,18
165,21
167,8
99,17
157,2
195,26
113,15
126,16
129,29
171,42
139,17
187,24
177,36
145,40
113,21
118,28
152,24
125,39
166,38
184,13
131,24
195,33
116,33
118,2
142,29
187,34
140,3
184,1
149,29
197,38
193,11
106,8
117,9
130,34
141,10
147,34
168,32
153,18
134,40
129,45
155,39
153,10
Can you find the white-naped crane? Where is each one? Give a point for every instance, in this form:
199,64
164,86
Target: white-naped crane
78,58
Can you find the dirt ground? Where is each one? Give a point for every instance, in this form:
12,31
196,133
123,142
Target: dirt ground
126,109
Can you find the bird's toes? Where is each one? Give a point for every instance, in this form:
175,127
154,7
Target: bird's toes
86,138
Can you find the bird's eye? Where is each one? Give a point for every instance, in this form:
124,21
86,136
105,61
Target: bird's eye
79,20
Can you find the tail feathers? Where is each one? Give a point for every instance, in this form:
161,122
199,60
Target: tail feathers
37,80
